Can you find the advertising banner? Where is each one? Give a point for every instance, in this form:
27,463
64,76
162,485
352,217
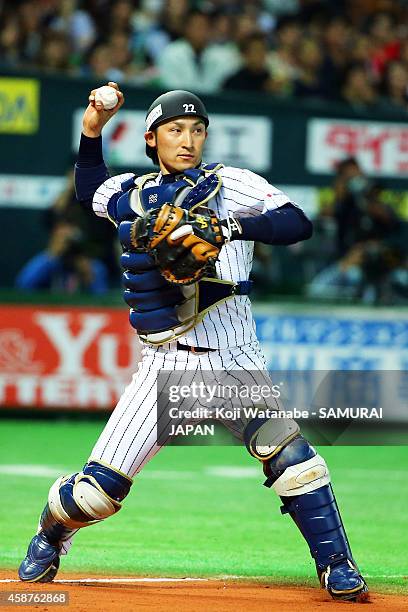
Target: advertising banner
341,339
380,147
83,358
30,191
19,105
70,358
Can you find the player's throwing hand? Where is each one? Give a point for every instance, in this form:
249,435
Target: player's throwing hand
95,116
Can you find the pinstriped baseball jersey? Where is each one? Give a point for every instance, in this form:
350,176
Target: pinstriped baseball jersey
242,194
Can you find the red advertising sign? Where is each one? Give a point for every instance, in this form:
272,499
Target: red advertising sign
381,148
74,357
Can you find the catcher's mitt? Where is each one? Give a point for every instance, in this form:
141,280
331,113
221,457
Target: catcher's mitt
184,244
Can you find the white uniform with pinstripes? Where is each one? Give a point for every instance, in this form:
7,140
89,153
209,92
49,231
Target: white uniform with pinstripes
129,439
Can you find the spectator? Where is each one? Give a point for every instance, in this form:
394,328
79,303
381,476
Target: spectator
121,55
10,41
282,60
361,51
63,266
173,18
100,65
309,82
151,28
54,55
395,86
357,89
146,14
372,243
404,53
120,17
99,12
245,25
222,28
341,279
254,75
193,63
360,213
29,15
374,272
76,23
350,185
386,46
99,239
258,19
336,44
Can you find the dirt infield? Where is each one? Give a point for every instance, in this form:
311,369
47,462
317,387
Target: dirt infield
185,596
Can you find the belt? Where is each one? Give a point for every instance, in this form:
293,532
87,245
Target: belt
193,349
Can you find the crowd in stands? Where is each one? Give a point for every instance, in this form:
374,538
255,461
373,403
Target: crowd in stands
355,51
363,243
350,51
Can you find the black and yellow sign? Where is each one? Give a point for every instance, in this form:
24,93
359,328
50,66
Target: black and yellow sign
19,105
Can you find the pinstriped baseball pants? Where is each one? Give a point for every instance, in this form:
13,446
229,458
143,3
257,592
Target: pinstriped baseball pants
129,439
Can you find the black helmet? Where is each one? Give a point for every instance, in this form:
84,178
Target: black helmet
177,103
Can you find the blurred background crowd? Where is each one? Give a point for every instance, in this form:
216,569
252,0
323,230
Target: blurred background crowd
350,50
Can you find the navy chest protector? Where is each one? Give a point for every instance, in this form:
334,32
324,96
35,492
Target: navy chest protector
160,311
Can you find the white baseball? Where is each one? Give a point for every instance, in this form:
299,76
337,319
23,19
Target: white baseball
107,95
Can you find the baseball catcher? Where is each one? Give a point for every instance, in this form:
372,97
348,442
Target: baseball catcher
187,232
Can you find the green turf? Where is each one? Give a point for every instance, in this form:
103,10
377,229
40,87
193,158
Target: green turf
181,520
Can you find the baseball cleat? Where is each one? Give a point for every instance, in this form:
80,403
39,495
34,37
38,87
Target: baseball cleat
344,582
41,562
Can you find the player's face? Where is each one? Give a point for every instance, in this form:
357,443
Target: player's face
179,143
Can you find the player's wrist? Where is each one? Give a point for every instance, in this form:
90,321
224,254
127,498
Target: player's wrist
91,133
231,229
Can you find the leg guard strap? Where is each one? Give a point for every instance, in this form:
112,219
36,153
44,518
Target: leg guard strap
89,496
55,532
297,469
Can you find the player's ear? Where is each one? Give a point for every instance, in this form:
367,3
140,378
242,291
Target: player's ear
150,138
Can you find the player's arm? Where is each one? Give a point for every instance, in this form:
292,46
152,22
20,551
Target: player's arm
281,222
285,225
90,168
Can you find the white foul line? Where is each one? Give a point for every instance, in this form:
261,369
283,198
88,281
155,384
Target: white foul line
116,580
136,580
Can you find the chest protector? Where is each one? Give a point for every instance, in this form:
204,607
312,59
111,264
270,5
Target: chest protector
161,311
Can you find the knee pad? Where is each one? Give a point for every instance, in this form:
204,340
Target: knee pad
264,438
87,497
296,470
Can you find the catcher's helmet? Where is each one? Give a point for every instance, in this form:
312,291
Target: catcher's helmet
177,103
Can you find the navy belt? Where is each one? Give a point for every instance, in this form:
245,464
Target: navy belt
242,287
